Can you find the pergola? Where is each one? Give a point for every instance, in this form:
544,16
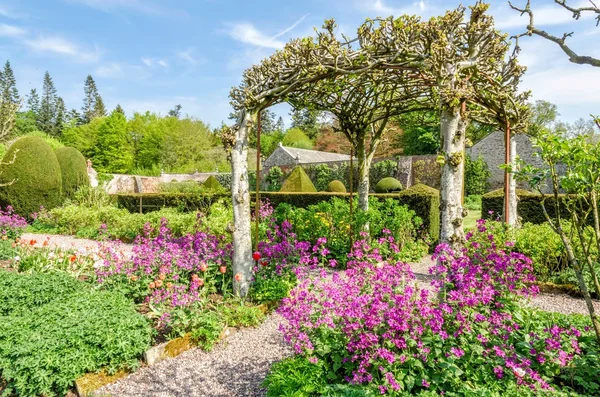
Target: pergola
461,66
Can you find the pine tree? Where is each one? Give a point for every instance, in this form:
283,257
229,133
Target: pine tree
73,118
61,117
91,108
8,85
9,100
99,108
47,115
119,109
33,102
175,112
306,120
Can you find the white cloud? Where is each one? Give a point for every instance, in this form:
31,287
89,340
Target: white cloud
143,6
61,46
110,70
547,15
246,33
187,55
11,31
154,62
9,13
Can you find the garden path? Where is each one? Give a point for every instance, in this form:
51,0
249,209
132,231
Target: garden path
237,366
65,242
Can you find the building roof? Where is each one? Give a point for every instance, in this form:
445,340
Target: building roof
305,156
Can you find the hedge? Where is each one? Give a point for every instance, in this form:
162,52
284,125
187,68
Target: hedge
529,206
73,169
31,174
422,199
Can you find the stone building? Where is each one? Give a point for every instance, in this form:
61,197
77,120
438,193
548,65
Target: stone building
286,157
492,149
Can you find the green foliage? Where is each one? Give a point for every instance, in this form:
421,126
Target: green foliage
331,220
306,120
240,314
274,179
50,140
207,328
295,376
83,137
190,199
213,185
473,202
73,170
336,187
295,137
113,152
54,329
420,132
388,185
380,170
477,174
427,172
272,289
543,247
298,181
425,201
33,179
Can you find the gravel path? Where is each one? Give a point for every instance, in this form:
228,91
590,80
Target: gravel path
65,242
234,368
237,366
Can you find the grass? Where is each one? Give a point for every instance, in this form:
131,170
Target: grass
471,220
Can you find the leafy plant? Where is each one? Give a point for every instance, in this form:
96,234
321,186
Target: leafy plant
477,174
54,329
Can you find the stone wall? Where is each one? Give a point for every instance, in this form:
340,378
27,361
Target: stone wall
492,149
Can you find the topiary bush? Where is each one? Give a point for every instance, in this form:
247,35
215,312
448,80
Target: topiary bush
425,201
213,184
32,176
298,181
336,187
73,169
388,185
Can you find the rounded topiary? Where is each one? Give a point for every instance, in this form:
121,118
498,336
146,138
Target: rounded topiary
388,185
298,181
73,169
212,184
31,174
336,187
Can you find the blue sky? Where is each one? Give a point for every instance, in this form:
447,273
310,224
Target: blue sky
154,54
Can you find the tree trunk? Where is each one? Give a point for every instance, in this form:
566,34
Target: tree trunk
242,241
453,128
364,167
513,216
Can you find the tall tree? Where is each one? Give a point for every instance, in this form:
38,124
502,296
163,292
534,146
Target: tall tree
61,117
113,152
99,108
91,108
33,102
175,112
119,109
47,115
306,119
73,118
9,100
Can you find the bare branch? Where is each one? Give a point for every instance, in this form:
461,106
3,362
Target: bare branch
561,41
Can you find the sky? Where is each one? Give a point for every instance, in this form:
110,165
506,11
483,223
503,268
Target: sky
149,55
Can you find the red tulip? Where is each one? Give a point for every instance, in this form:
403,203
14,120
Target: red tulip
256,256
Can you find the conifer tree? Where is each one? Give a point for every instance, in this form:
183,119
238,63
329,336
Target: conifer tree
93,106
61,117
47,114
33,102
9,100
99,108
119,109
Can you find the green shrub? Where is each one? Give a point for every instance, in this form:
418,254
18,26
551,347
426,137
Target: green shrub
58,329
529,206
187,187
544,247
473,202
425,201
33,178
212,184
477,174
147,202
336,187
207,328
298,181
241,315
73,169
274,179
388,185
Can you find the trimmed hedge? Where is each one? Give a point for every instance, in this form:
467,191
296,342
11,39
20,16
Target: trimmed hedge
148,202
73,169
336,187
422,199
33,179
213,184
529,206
